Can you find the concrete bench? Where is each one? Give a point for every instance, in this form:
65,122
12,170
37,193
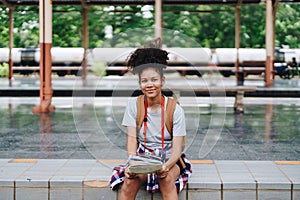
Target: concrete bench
80,179
237,91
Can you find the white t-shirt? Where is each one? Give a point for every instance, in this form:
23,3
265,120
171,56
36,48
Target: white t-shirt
153,133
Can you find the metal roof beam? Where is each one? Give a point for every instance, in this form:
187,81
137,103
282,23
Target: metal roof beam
136,2
7,4
131,2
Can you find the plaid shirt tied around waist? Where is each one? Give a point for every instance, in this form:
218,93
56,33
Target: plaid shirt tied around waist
152,185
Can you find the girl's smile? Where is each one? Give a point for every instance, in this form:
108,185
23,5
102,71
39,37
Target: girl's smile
151,82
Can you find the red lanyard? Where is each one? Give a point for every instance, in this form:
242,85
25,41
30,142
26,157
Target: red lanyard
162,121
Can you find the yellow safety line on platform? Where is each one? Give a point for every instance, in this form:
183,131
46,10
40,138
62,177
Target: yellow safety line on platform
96,183
23,160
121,161
287,162
111,160
202,161
192,161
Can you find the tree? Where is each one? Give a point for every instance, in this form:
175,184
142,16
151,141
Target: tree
67,26
26,26
288,25
209,26
3,26
253,26
217,26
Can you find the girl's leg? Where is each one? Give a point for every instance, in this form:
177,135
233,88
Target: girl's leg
131,187
167,184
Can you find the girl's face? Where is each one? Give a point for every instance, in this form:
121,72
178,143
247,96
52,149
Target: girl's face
151,82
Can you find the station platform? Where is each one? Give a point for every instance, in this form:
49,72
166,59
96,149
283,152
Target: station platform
88,179
255,157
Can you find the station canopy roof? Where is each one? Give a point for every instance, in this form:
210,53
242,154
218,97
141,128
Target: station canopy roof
137,2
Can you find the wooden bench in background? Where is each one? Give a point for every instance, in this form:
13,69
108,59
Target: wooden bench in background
253,67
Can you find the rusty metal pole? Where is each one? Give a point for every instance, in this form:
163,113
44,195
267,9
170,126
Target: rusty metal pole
237,41
11,8
10,45
85,42
269,44
158,19
275,7
46,92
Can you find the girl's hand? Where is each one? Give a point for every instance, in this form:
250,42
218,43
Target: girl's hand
163,173
128,174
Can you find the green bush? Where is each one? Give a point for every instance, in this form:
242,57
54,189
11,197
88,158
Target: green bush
4,69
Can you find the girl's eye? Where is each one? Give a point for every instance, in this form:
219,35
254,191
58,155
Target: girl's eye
153,80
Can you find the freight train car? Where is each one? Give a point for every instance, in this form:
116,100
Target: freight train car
27,60
186,61
253,59
182,60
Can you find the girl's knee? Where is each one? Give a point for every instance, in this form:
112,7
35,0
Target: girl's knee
167,183
132,185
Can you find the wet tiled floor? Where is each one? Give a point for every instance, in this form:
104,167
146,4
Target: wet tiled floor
91,129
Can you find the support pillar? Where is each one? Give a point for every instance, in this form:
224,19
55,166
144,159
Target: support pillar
11,8
158,19
85,42
10,45
237,42
46,92
269,44
239,102
275,7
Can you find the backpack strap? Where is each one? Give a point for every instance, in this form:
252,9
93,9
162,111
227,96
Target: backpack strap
171,105
140,113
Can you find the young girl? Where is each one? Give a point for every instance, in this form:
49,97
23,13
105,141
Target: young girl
153,135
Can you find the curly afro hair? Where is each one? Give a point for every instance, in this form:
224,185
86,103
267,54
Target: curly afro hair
143,58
